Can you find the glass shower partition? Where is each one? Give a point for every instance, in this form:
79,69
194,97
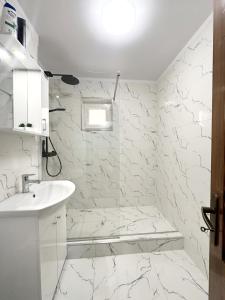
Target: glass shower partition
101,136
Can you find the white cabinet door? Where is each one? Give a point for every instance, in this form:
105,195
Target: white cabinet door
31,102
34,110
48,254
20,86
61,238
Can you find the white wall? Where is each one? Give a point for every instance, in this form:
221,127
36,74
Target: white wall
109,168
184,141
160,151
19,154
158,154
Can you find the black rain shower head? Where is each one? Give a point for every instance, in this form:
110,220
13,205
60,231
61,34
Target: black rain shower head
66,78
70,79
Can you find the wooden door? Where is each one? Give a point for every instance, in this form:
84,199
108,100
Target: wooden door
217,238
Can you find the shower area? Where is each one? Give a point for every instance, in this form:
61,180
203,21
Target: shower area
114,167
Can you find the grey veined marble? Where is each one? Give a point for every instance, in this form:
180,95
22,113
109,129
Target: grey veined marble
118,221
113,231
158,153
19,154
184,142
157,276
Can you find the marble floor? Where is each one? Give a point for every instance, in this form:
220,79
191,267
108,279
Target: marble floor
169,275
121,221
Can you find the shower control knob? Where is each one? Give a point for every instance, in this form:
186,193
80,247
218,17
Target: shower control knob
29,125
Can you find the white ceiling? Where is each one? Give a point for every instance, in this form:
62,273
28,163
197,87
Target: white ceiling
72,39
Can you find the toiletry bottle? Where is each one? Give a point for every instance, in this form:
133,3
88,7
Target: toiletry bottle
9,20
21,31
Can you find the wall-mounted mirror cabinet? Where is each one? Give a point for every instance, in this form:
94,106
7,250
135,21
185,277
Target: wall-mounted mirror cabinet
24,90
24,102
30,102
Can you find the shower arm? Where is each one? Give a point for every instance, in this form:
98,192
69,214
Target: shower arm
116,86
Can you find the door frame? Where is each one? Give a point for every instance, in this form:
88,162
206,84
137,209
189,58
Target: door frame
217,251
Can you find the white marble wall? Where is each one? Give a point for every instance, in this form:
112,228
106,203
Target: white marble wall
138,103
159,151
109,168
18,155
184,141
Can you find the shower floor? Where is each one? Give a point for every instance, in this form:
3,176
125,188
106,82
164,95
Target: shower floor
116,222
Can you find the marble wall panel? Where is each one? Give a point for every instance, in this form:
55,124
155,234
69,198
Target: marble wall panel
184,141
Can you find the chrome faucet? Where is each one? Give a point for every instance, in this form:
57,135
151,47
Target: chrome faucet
26,181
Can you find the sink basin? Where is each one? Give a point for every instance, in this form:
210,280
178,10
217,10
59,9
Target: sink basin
41,196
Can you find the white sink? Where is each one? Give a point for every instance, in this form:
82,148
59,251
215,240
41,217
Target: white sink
41,196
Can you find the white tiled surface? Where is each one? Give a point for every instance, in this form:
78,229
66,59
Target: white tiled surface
111,168
157,276
176,109
19,154
116,222
126,245
184,142
159,153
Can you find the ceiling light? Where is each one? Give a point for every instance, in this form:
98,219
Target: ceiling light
118,21
118,17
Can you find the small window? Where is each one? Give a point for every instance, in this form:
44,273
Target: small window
97,115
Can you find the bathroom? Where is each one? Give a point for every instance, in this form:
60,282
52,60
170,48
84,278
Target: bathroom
112,150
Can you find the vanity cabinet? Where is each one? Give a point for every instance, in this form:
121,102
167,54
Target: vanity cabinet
32,254
53,250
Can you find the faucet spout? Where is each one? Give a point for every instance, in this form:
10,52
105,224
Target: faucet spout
26,181
35,181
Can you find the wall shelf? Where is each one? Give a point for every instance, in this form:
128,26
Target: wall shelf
14,56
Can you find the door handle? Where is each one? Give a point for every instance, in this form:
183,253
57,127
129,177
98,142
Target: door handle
205,212
211,223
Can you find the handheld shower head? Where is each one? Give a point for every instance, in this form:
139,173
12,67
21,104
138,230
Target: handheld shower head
66,78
